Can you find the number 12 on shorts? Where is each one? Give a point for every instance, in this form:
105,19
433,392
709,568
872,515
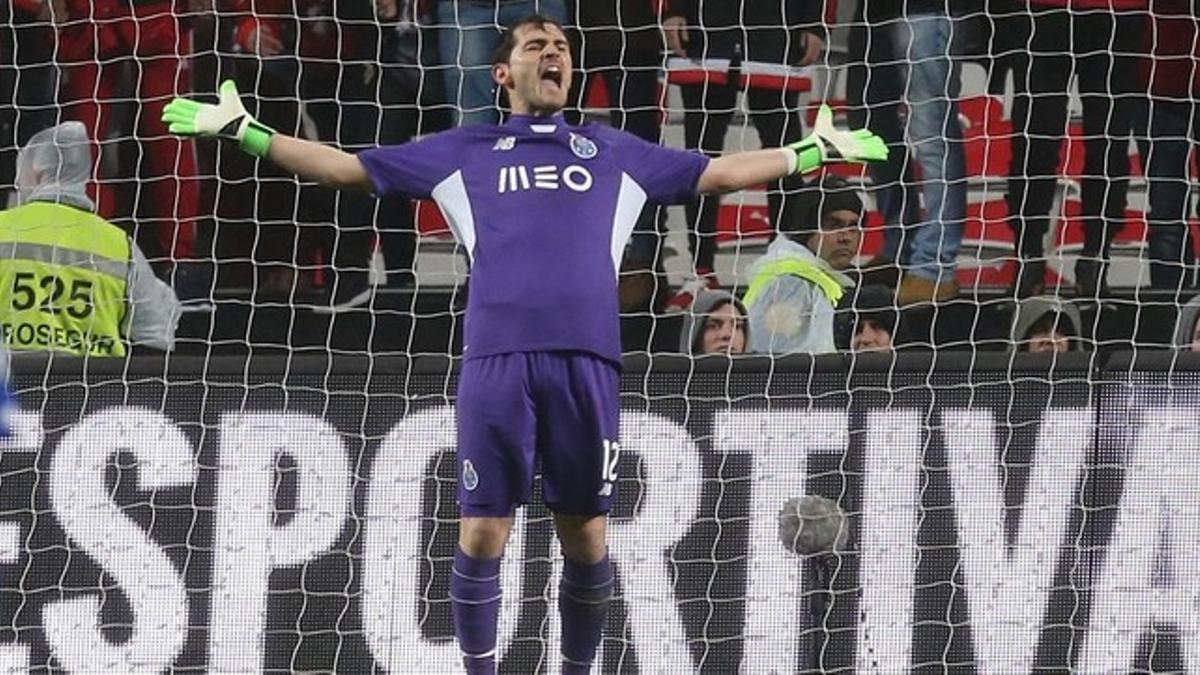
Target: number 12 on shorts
608,469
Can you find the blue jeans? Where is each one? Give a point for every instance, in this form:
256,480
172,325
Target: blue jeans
468,32
1174,129
923,44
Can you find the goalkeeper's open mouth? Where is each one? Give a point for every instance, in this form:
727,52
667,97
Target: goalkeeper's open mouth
552,74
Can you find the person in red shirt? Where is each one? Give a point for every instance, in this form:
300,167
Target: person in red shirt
1046,42
96,39
1172,74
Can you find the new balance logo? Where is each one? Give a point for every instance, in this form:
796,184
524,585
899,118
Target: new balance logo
505,143
544,177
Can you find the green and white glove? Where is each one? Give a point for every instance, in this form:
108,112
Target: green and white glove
227,119
828,145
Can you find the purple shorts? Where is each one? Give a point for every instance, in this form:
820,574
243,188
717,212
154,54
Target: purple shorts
522,412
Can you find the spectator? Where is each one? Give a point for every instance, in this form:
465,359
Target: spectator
787,32
913,61
97,39
408,91
78,284
291,60
874,87
1187,328
367,52
716,324
622,45
1045,324
468,33
260,35
1173,74
796,286
1045,42
339,42
27,78
871,335
873,320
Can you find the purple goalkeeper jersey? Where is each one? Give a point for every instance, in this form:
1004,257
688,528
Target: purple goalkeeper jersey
543,210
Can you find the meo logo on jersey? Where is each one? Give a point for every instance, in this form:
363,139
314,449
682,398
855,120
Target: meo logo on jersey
544,177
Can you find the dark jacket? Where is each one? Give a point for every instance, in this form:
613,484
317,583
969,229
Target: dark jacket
619,32
1032,310
770,31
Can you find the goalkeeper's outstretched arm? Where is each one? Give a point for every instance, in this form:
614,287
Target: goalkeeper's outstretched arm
323,164
228,119
825,145
335,168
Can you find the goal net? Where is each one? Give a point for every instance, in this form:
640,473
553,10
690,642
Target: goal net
278,492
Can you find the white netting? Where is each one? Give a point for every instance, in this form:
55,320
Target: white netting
254,505
981,103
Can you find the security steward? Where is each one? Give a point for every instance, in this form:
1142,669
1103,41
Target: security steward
69,280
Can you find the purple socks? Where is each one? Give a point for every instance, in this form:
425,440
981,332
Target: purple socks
583,595
475,598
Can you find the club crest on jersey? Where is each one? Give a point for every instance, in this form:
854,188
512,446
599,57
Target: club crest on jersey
583,148
505,143
470,479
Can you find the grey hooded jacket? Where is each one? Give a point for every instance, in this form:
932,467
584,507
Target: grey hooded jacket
1185,325
1030,310
693,320
54,166
793,315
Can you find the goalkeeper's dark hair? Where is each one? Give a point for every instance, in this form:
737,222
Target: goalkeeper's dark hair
508,41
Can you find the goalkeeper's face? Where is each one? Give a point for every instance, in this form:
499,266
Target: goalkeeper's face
537,75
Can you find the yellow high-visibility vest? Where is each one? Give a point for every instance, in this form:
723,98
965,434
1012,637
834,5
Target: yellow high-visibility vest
63,280
796,268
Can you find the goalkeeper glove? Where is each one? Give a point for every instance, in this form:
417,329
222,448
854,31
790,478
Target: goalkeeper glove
828,145
227,119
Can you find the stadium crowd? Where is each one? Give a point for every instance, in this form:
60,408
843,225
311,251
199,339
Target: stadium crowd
363,73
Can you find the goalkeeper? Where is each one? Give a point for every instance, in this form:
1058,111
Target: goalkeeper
543,210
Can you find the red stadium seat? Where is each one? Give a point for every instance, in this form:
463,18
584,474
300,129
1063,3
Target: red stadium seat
987,233
743,224
872,238
752,74
1070,232
430,222
987,224
1071,155
988,138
